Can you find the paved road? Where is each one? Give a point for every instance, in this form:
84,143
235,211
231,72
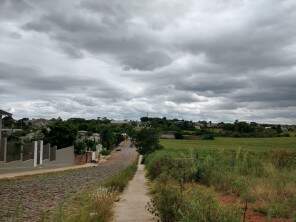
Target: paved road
30,197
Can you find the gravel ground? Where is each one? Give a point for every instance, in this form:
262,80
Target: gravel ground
28,198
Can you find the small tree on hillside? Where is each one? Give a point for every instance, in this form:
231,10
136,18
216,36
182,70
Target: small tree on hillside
147,140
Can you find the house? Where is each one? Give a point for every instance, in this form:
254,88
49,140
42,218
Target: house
119,122
168,135
39,122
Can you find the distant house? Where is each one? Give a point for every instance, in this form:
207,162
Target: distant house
212,125
39,122
82,134
3,113
10,131
96,137
168,135
284,129
120,122
198,125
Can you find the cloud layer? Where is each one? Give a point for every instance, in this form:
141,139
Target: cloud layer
217,60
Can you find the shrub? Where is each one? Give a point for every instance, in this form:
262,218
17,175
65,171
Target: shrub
147,141
91,144
195,203
105,152
179,136
158,163
79,147
181,168
167,202
208,136
202,205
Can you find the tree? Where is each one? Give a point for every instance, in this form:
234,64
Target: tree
144,119
147,140
107,138
61,134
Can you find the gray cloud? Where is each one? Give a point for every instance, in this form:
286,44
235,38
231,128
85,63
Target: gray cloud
10,9
219,60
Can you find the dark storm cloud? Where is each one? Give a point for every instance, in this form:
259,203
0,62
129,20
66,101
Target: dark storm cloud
11,9
101,31
223,60
260,40
32,79
210,83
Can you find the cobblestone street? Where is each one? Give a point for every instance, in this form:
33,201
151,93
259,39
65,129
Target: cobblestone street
29,198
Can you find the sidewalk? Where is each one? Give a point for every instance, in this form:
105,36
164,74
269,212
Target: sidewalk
133,201
42,171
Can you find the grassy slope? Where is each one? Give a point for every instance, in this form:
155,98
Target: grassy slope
262,144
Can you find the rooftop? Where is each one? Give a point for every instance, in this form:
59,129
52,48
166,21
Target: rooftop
5,113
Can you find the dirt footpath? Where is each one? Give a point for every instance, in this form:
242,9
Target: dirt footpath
29,197
132,204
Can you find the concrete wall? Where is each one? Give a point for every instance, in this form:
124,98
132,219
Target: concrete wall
62,157
18,164
65,155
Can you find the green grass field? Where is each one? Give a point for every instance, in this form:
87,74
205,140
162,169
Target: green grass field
259,172
260,144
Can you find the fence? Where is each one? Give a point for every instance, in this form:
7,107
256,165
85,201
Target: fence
12,151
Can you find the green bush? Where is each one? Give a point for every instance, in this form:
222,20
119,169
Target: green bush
105,152
80,147
181,168
147,141
179,136
167,202
202,205
194,203
91,144
208,136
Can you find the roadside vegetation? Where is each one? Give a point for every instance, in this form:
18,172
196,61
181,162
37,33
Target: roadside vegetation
94,204
187,182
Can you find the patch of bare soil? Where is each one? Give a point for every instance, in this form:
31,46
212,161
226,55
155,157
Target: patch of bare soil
251,214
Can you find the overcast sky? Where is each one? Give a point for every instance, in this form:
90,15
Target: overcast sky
216,60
